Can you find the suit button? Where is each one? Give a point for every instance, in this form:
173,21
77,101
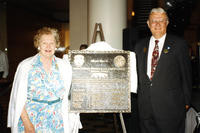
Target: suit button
151,84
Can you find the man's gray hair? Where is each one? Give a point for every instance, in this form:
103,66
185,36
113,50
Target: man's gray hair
158,10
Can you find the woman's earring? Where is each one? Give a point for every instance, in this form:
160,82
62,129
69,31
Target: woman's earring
56,48
38,48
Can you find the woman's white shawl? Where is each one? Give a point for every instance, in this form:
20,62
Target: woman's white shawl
18,95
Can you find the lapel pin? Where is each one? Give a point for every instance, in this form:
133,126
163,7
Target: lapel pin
166,50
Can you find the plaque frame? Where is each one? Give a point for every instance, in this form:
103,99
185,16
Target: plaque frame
81,61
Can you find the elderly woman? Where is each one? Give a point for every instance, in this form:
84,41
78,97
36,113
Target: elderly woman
39,97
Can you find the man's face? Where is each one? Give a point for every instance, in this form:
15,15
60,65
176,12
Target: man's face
157,23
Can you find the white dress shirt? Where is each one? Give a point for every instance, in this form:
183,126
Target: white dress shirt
4,64
151,47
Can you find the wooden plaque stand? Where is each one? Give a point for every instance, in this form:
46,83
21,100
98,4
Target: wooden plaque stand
100,31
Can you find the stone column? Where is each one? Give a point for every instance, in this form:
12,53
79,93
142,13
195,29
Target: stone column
112,14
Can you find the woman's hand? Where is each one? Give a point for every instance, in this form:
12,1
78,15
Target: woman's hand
28,126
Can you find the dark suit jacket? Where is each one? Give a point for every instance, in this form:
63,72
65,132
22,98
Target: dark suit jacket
170,89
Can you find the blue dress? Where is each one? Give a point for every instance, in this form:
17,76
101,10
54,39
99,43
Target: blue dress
44,96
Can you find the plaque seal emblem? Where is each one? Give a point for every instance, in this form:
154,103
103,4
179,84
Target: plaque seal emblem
79,60
119,61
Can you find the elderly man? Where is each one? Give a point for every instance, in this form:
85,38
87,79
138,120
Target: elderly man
164,73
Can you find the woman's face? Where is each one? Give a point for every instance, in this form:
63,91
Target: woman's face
47,45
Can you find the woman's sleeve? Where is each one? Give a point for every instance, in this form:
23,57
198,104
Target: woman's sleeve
18,96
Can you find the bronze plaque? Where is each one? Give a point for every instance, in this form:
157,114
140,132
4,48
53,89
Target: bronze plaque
100,81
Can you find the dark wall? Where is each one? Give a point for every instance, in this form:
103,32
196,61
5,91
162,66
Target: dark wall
21,27
130,37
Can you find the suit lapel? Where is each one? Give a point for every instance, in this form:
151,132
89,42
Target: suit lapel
145,55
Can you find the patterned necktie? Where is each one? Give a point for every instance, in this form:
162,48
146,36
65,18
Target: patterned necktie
155,57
